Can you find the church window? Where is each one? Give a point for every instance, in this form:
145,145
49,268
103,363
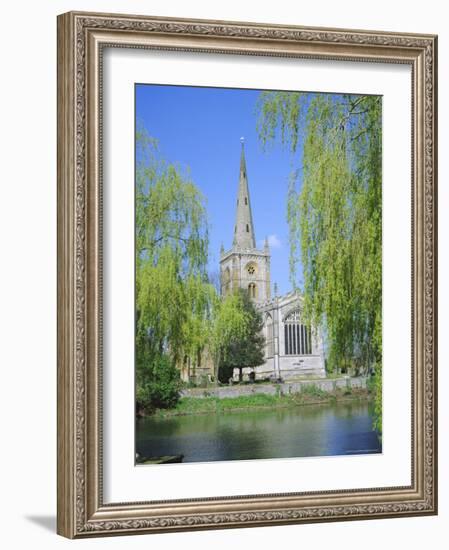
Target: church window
297,337
252,290
246,200
247,228
251,269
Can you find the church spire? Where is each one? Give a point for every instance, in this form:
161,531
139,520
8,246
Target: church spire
244,228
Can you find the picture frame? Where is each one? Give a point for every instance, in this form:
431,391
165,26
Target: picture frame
82,40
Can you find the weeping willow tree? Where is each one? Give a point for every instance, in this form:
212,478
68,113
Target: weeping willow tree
234,326
179,313
241,342
334,212
173,296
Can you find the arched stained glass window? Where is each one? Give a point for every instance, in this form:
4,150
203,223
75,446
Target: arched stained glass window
297,337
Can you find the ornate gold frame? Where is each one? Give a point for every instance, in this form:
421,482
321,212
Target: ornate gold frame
81,38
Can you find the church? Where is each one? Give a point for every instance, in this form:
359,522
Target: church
292,350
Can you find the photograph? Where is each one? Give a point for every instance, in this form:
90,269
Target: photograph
221,313
247,289
258,274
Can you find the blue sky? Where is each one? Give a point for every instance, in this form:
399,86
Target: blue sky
200,129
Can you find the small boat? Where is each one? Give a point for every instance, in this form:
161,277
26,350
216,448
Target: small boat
168,459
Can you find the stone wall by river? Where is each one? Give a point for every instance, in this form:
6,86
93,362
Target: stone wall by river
285,388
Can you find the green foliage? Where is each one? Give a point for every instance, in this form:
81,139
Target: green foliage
378,398
160,385
173,296
172,292
244,347
228,323
225,372
313,390
334,211
214,405
179,313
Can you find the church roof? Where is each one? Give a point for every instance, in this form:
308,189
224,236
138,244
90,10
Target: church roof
292,297
244,236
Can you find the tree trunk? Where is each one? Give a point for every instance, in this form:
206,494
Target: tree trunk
216,367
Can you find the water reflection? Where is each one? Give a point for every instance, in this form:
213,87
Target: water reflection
312,430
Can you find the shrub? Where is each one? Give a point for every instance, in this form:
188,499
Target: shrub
312,390
225,372
160,385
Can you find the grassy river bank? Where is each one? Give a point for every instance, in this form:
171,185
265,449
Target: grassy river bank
309,395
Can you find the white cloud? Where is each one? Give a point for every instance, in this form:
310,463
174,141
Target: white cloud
273,242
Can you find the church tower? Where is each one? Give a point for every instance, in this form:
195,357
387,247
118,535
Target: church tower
244,266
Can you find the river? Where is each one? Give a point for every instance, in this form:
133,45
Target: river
310,430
